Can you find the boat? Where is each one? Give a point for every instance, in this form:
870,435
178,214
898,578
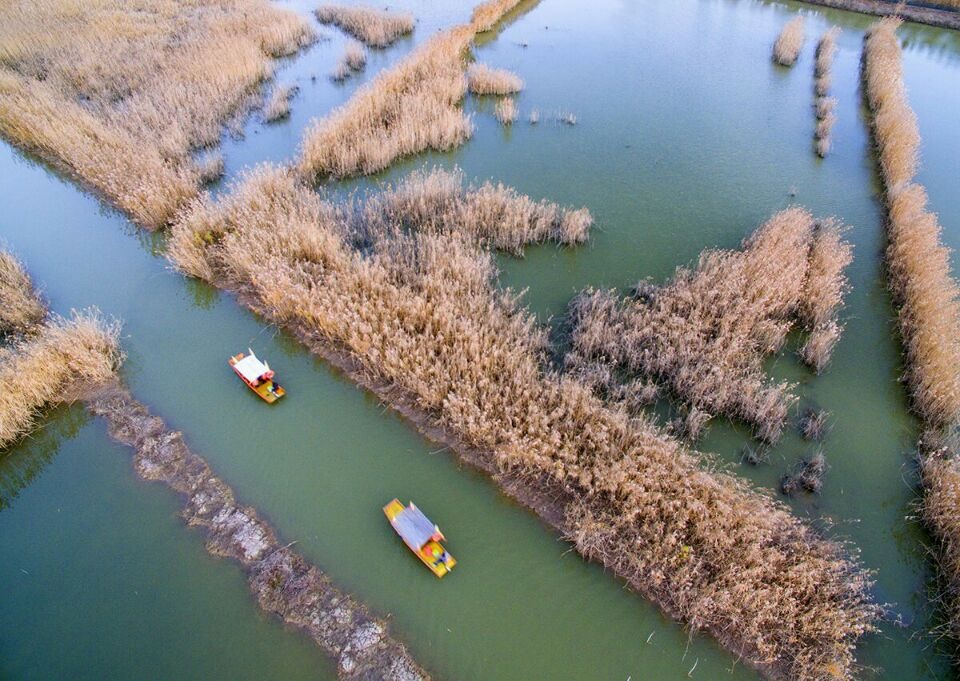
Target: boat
258,376
421,536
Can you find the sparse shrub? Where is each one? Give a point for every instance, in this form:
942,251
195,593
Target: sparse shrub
506,111
787,47
278,104
484,80
51,366
418,309
376,28
704,335
96,88
20,307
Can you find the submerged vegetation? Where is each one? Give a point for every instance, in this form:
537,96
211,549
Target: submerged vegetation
786,49
928,300
375,27
418,312
96,89
704,335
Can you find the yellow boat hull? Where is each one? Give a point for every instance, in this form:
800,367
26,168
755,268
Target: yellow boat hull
426,552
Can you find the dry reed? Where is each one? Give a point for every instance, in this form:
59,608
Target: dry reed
20,307
210,167
277,105
97,88
506,111
61,358
806,476
928,299
486,15
826,106
376,28
703,336
439,201
484,80
407,109
787,47
918,264
418,309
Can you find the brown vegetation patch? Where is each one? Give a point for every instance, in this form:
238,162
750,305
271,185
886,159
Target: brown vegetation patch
704,335
20,307
928,299
506,111
282,581
826,106
375,27
407,109
277,105
484,80
418,312
486,15
120,96
786,49
59,360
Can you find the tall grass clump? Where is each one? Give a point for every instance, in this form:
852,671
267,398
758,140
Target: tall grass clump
486,15
786,49
277,105
418,312
506,111
407,109
484,80
928,300
62,357
20,307
99,89
704,335
375,27
440,201
825,105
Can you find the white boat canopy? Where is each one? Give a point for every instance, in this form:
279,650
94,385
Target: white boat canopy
414,527
251,368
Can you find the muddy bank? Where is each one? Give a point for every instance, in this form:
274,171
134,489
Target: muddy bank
281,580
943,18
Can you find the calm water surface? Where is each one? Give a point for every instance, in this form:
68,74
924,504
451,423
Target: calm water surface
687,137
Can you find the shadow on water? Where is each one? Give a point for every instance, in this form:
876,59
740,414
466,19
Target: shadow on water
21,463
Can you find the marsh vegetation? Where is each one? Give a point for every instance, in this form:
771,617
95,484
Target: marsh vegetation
374,27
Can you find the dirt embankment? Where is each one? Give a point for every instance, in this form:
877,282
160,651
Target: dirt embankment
282,580
944,18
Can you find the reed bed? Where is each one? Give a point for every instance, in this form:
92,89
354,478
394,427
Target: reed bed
375,27
418,310
786,49
485,80
62,357
486,15
926,293
96,88
506,111
704,335
20,307
825,106
354,59
405,110
440,201
918,263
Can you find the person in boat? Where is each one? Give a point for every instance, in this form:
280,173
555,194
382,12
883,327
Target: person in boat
275,388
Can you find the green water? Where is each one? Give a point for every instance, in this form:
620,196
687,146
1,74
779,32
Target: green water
687,137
